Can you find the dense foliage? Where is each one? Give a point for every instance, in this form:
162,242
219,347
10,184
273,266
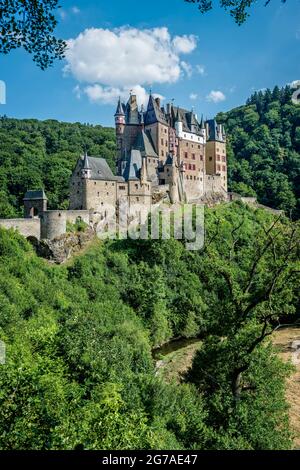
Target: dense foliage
30,25
264,149
42,154
79,371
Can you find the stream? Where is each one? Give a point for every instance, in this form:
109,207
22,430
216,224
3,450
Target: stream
172,346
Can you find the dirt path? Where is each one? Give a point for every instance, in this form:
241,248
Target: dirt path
283,340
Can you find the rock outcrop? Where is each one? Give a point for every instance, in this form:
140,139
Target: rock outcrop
64,247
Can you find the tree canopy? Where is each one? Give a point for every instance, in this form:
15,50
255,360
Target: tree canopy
79,372
30,25
238,9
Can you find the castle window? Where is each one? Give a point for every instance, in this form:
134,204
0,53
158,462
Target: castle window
162,141
185,154
219,167
218,158
101,203
121,188
105,184
153,160
98,194
112,184
136,186
199,146
162,153
187,144
149,160
193,156
166,143
107,194
224,168
95,183
194,177
210,159
201,158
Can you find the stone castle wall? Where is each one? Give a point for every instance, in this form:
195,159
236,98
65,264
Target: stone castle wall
26,227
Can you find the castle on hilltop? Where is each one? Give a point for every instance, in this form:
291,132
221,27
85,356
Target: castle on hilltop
163,154
160,151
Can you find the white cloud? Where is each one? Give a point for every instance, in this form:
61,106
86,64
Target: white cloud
187,68
193,96
216,96
75,10
113,61
108,95
200,69
184,44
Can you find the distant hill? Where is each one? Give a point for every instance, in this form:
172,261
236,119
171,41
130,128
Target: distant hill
264,149
36,154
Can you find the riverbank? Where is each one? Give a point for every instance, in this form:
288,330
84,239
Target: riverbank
174,360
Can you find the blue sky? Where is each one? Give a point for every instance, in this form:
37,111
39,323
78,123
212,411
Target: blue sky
201,61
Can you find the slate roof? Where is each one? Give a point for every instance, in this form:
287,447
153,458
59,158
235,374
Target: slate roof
133,165
187,118
120,109
36,194
144,144
100,169
214,133
154,113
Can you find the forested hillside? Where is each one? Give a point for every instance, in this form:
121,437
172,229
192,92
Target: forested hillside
36,154
263,153
79,373
264,149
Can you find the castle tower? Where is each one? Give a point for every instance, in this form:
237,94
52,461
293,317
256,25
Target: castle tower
120,127
216,158
35,203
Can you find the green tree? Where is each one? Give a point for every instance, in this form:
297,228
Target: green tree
30,25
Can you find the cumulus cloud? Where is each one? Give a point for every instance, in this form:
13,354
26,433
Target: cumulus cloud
216,96
114,61
185,44
107,95
193,96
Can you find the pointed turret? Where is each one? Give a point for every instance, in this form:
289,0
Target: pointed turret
86,169
120,109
